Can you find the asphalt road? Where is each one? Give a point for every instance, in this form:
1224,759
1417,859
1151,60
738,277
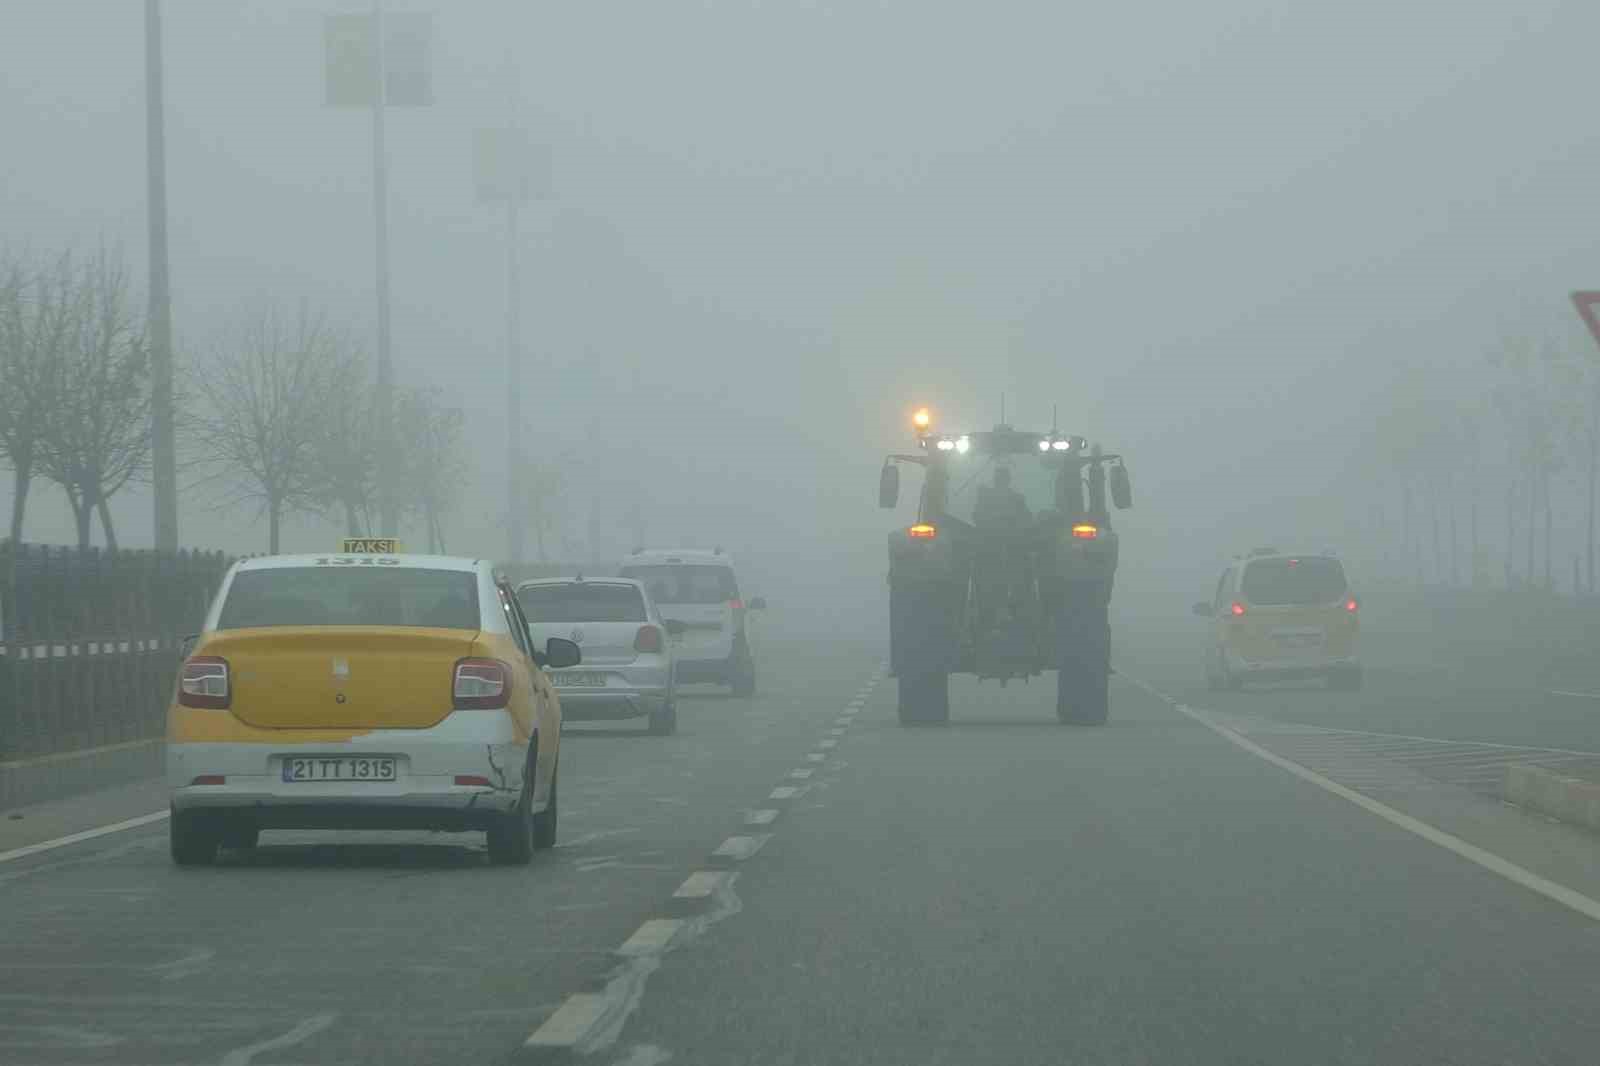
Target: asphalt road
1167,889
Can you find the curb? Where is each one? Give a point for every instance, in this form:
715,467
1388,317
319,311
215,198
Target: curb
25,782
1568,799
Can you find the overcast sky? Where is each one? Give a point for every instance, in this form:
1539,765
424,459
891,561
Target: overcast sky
1205,230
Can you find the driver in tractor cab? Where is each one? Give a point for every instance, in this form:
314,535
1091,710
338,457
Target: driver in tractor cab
999,506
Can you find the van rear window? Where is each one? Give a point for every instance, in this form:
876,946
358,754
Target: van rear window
1297,582
685,583
582,602
321,596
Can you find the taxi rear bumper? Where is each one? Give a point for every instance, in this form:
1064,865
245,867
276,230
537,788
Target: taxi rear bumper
1287,669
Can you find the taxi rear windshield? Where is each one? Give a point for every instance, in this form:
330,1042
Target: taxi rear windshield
1295,582
583,602
681,583
375,596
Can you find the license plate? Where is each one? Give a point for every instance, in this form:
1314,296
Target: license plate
338,768
577,681
1300,640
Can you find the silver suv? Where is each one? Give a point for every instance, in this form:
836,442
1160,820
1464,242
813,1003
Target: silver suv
627,648
698,590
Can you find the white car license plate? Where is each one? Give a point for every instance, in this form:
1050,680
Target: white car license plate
338,768
578,680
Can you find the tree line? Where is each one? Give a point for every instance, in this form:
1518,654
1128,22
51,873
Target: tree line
279,412
1494,469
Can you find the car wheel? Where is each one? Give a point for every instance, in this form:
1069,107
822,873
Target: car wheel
544,823
194,838
924,699
511,835
742,676
665,721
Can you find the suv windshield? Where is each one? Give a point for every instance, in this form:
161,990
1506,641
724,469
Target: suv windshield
582,602
680,583
1293,581
318,596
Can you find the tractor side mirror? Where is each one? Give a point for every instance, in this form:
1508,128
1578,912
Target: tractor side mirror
1121,488
1202,609
889,486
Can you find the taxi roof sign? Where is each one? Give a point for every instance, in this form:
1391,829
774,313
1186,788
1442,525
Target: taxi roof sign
369,546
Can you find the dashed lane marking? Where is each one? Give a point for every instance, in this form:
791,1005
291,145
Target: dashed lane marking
815,756
87,834
701,884
801,773
766,816
571,1021
652,937
785,792
1551,890
837,731
1574,695
827,745
740,848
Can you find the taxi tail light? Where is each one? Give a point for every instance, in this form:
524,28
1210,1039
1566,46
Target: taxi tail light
209,779
1351,605
923,531
474,780
1236,609
736,604
648,639
1085,531
481,684
205,682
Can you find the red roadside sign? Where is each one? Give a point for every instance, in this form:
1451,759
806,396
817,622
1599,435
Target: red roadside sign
1586,302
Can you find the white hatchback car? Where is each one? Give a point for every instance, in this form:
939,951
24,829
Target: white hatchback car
627,650
698,589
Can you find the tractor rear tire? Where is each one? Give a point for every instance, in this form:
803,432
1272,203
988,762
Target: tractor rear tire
925,699
1083,683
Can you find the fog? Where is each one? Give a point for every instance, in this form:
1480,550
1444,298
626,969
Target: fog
1211,235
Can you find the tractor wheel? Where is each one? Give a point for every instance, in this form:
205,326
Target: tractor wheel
1083,695
925,699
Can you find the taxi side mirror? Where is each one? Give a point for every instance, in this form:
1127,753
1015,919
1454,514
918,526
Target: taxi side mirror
187,645
759,603
560,654
889,486
1203,610
674,626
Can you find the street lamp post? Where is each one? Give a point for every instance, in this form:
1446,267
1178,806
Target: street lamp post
163,442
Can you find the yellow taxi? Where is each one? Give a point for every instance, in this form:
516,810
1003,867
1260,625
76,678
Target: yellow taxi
365,690
1280,616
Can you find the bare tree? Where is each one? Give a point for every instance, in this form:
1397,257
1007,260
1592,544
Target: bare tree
545,492
1533,408
97,436
262,400
347,440
433,458
35,319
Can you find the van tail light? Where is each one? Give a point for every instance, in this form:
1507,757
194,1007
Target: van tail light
736,603
1236,609
1085,531
481,684
1351,605
923,531
204,682
648,639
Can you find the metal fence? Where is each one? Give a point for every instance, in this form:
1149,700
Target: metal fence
89,642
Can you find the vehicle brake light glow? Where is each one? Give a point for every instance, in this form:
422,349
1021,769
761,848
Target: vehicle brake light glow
209,779
923,531
481,684
648,639
1351,605
1237,610
1085,531
474,780
204,683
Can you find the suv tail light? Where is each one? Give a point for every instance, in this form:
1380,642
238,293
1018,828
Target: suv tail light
1085,531
1351,605
736,603
647,639
204,682
923,531
1236,609
481,684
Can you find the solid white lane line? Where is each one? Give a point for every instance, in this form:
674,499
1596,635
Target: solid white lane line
87,834
766,816
784,792
701,884
740,848
652,937
801,773
1433,740
1561,894
571,1022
